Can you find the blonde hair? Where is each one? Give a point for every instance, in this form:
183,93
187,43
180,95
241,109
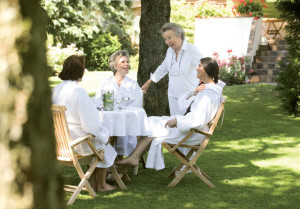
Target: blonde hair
115,57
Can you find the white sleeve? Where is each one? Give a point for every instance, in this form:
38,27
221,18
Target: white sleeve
89,118
184,103
161,71
197,117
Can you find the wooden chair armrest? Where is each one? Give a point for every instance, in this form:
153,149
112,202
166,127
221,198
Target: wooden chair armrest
88,138
201,132
80,140
179,143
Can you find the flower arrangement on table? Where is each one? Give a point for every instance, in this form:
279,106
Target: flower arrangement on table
252,8
232,68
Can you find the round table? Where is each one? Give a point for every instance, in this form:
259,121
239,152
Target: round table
132,121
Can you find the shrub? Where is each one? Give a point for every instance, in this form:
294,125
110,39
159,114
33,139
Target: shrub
249,7
99,50
232,68
211,9
56,55
289,73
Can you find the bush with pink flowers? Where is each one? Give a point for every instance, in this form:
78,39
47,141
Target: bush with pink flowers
251,8
232,68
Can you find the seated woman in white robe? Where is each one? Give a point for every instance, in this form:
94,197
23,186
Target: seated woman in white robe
172,129
82,117
124,87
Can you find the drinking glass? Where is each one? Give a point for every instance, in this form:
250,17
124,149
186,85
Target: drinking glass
125,100
118,101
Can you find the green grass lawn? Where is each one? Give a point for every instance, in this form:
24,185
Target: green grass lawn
254,161
271,11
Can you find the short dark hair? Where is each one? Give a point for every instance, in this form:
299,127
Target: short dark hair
114,58
176,28
73,68
211,67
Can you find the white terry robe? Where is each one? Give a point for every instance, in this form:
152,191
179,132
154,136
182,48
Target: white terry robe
82,118
203,109
129,88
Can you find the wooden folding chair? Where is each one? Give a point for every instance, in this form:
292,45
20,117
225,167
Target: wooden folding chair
199,148
66,155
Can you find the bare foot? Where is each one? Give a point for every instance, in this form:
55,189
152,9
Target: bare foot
128,161
105,188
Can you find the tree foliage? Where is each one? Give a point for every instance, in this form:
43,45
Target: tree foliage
85,22
289,75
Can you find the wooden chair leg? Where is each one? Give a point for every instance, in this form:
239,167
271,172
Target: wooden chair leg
178,178
205,180
136,168
84,183
117,177
172,174
201,171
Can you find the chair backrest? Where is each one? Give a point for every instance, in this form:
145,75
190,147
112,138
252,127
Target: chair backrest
213,124
62,134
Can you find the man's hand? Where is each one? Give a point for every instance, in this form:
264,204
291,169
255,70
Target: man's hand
146,86
171,123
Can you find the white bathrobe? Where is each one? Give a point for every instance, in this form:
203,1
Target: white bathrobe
129,88
82,118
203,109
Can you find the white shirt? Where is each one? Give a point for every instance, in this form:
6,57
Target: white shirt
182,73
83,118
128,88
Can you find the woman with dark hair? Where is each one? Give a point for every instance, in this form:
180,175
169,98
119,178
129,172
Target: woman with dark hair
172,129
124,87
82,117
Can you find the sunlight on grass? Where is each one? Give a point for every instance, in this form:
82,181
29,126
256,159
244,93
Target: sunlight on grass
254,181
116,194
287,162
240,165
189,205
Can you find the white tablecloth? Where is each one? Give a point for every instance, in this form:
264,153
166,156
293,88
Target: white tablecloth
132,121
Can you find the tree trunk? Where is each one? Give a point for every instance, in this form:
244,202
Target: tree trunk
28,168
155,13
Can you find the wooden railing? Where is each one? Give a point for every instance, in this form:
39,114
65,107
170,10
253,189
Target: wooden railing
273,28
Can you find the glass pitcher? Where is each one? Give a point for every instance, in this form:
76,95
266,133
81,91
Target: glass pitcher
108,100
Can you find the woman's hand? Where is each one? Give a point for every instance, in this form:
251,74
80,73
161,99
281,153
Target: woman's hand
171,123
146,86
199,89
